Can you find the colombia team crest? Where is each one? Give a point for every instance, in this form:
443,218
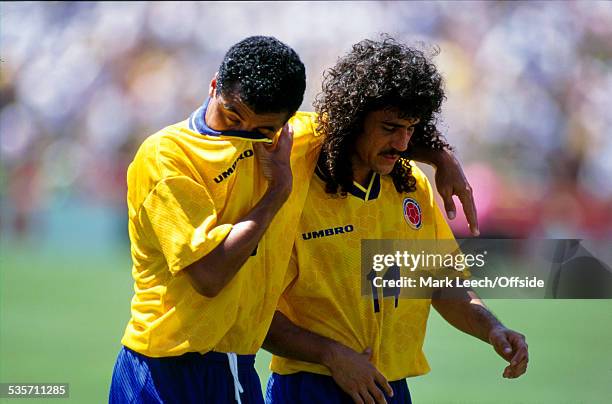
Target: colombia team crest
413,213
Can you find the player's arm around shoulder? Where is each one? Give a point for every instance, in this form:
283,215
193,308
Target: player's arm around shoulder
450,180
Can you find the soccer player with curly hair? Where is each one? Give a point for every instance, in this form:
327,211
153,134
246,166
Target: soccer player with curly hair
331,344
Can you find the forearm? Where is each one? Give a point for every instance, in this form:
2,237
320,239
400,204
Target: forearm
429,156
291,341
466,312
351,371
212,272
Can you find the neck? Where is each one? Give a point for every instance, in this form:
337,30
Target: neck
361,172
362,176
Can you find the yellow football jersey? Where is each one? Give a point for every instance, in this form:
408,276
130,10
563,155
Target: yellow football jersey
326,296
185,190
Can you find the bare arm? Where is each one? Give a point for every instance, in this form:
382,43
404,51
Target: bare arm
211,273
465,311
450,180
352,371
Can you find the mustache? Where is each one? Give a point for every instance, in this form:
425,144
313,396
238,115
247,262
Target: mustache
391,153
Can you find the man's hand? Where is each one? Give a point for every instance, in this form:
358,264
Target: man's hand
450,180
211,273
354,373
275,161
511,346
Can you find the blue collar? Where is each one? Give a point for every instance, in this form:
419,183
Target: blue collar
198,124
367,194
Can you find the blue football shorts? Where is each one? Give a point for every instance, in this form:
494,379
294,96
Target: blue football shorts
213,377
308,388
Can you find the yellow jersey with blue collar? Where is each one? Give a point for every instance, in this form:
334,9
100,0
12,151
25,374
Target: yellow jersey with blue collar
325,295
187,186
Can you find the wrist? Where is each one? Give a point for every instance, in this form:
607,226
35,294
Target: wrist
493,330
441,158
280,190
329,352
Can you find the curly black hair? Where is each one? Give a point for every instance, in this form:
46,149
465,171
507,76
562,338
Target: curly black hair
375,75
267,74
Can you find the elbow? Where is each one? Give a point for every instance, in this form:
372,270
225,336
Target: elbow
203,283
207,289
208,292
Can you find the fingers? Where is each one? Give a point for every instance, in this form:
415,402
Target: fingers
518,363
368,395
286,136
514,371
519,357
289,130
372,395
469,208
357,398
501,345
356,376
382,382
281,140
449,205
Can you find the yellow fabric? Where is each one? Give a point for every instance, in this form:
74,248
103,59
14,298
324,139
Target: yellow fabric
185,190
325,297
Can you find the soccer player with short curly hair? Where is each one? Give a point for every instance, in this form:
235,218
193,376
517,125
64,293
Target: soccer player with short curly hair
268,75
201,194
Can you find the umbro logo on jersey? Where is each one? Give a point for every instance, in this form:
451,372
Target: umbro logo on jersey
328,232
413,213
230,171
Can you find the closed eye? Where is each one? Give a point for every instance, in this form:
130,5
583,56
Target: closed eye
233,119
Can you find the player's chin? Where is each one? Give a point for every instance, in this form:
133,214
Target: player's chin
386,166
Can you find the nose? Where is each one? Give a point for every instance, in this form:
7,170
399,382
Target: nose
401,139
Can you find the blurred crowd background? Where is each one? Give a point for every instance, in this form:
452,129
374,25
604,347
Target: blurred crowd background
529,87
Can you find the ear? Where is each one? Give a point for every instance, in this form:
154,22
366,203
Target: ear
212,89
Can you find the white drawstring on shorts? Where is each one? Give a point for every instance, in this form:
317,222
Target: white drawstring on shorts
233,365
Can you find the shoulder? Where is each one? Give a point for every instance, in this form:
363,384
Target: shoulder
304,117
306,139
163,154
422,187
422,182
304,123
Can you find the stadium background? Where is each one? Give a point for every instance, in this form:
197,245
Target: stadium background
529,90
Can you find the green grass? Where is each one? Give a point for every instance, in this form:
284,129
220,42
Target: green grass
62,316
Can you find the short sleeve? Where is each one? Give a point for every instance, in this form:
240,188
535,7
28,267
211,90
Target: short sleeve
179,215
